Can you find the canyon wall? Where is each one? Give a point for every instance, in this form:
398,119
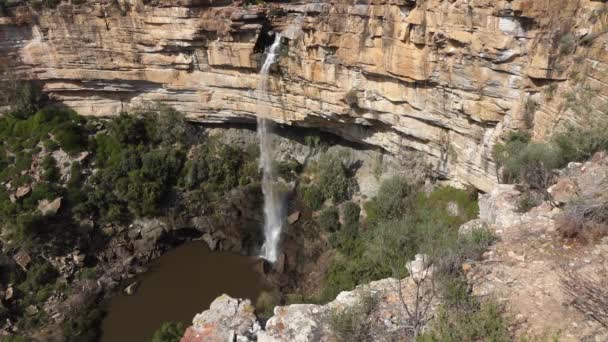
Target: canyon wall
445,78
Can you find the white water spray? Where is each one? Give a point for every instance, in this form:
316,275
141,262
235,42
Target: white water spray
273,200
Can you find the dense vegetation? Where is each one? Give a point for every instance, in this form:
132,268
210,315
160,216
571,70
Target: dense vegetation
402,220
521,160
102,172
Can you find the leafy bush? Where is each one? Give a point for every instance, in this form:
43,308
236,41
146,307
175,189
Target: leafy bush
391,202
38,275
580,143
49,169
313,197
421,223
288,169
533,163
83,325
217,167
469,320
351,213
335,180
169,332
528,162
28,99
329,219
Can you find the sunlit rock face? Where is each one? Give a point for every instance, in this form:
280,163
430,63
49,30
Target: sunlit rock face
445,78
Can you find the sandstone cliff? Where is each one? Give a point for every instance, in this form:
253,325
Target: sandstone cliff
442,77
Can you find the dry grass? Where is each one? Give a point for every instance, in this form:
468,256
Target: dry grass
584,221
587,294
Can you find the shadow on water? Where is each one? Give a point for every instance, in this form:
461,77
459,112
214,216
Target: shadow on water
180,284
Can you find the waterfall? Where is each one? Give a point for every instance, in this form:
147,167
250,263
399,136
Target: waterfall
273,199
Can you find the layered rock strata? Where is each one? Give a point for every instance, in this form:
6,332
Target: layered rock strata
445,78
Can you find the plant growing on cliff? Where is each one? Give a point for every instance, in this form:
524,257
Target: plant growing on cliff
329,219
528,162
169,332
335,178
391,201
266,302
351,323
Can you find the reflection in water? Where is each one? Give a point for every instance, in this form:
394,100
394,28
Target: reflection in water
180,284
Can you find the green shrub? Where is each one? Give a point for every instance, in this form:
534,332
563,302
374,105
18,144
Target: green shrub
14,338
391,202
313,197
527,201
288,169
351,213
84,323
528,162
87,273
421,225
530,108
329,219
567,44
39,274
169,332
266,302
473,322
50,172
441,197
27,100
351,323
166,126
335,181
346,272
579,143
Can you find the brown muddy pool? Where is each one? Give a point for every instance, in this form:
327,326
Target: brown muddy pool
178,285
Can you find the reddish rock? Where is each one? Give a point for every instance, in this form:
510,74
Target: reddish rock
564,191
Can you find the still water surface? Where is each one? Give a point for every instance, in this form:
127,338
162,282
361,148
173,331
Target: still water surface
179,284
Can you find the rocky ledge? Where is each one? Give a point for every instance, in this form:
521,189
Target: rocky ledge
529,271
230,319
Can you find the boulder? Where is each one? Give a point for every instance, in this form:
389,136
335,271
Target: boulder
419,268
210,240
146,232
498,208
9,294
31,310
293,217
130,290
20,193
23,259
564,191
472,225
49,208
228,319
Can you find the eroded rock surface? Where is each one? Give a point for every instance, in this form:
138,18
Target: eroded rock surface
385,321
227,319
526,267
442,77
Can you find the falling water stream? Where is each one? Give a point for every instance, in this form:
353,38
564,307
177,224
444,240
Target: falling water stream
273,201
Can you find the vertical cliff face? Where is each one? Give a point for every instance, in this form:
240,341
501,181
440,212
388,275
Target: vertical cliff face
445,78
